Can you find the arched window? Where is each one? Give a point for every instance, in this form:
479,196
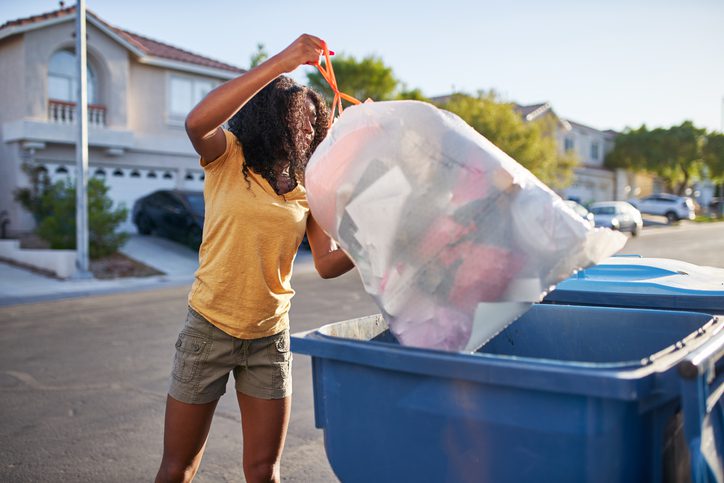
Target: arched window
62,84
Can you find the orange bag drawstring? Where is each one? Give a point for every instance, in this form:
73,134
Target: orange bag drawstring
328,74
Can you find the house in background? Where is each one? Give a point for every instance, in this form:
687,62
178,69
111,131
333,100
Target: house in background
591,180
139,92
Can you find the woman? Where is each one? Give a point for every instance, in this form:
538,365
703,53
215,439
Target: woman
256,217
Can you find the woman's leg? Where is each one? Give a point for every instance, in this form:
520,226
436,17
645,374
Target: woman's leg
186,428
264,424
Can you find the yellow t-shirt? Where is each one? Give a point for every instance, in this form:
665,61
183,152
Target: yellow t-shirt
251,236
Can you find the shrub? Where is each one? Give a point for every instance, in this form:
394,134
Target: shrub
53,207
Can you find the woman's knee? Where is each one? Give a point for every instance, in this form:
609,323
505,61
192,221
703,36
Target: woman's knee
175,472
262,471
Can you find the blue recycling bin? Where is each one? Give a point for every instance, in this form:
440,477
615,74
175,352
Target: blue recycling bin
564,394
634,281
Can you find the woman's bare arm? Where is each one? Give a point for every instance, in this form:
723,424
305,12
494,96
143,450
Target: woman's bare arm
203,124
329,260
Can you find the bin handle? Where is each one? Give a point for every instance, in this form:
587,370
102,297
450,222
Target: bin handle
702,388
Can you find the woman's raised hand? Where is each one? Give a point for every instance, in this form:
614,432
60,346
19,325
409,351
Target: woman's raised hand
305,50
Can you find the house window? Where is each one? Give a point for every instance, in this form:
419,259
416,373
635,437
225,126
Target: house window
185,93
62,78
594,151
568,144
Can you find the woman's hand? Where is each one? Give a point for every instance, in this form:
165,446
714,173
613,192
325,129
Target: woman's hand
204,121
305,50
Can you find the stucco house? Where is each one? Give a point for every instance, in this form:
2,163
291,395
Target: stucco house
592,180
139,92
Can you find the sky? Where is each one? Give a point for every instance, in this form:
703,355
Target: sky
608,64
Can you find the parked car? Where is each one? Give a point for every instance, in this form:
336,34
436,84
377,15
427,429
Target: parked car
618,215
673,207
582,212
174,214
716,206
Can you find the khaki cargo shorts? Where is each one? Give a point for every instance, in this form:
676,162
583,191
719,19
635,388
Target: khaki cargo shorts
205,355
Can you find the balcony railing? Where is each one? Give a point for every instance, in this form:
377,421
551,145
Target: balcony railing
63,112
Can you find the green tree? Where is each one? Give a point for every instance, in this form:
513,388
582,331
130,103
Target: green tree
53,207
713,155
363,79
679,154
532,144
633,150
674,153
405,93
259,56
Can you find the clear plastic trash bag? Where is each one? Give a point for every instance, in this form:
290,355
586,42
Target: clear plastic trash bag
453,239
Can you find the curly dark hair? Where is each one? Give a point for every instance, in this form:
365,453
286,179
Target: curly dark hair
270,128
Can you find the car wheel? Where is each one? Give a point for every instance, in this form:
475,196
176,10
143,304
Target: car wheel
635,230
671,217
144,225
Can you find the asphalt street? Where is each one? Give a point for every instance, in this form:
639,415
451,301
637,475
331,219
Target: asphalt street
83,380
698,243
83,385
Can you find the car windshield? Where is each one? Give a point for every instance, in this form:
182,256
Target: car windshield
196,202
603,210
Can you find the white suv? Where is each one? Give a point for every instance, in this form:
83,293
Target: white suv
673,207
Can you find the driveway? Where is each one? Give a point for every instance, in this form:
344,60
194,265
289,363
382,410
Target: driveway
169,257
176,260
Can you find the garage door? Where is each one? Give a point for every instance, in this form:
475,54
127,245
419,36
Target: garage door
127,185
193,180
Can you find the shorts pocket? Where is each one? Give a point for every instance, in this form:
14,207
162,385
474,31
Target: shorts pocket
280,347
191,349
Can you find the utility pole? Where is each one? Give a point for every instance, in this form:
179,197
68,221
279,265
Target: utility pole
81,146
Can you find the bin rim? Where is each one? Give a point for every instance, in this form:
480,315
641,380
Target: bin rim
625,379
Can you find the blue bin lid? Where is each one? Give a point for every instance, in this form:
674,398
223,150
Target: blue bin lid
633,281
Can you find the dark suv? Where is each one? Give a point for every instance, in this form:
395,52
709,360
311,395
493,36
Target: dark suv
174,214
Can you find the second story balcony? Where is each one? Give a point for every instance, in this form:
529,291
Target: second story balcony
64,112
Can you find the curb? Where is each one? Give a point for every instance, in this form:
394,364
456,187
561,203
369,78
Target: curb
304,264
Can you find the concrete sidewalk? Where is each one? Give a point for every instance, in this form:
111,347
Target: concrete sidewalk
177,262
